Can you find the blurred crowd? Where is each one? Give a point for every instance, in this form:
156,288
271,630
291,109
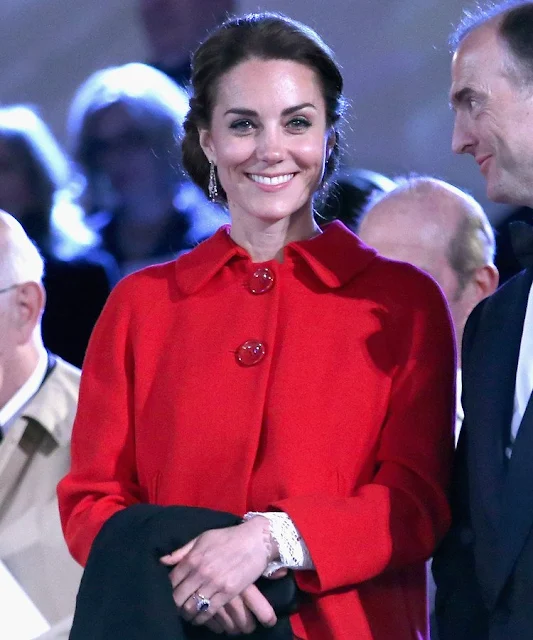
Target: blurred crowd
117,198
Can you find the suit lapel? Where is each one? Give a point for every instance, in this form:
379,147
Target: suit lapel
488,397
516,518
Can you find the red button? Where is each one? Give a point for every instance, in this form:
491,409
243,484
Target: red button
261,280
250,352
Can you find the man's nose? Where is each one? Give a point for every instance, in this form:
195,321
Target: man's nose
462,138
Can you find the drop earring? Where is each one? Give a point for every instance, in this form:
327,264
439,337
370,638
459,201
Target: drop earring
212,187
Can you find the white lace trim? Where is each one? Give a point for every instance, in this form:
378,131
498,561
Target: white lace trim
293,552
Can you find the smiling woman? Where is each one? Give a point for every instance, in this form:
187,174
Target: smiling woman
280,372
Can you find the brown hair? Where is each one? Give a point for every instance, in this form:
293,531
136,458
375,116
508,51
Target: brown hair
267,36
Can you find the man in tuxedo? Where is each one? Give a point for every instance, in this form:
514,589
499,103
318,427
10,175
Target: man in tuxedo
484,567
38,398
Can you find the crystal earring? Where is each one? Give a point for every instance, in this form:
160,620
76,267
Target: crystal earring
212,188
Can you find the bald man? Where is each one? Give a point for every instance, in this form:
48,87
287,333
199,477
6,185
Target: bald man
441,230
38,398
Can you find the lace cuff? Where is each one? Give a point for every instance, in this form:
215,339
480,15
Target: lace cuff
293,552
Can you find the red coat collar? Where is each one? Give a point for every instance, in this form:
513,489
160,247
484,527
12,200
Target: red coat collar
335,257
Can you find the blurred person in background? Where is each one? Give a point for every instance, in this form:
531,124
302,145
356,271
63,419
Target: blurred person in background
349,195
38,398
124,127
38,187
174,28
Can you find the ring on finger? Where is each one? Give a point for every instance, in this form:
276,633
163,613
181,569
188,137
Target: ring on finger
202,603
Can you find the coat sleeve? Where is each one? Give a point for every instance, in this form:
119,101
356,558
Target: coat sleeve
398,517
102,479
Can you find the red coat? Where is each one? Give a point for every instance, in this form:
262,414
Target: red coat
345,421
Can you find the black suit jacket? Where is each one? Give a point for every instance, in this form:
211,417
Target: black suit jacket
484,567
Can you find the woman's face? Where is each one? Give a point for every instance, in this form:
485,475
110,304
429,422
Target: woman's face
16,193
269,138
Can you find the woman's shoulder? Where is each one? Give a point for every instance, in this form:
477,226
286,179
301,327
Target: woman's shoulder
403,285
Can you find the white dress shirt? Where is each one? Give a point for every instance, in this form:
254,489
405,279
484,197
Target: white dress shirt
25,393
524,373
459,411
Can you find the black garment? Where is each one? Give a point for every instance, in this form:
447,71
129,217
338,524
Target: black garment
192,219
181,73
76,291
76,287
506,260
522,240
484,567
125,591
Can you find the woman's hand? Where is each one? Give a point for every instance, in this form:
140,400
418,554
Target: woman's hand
242,613
220,564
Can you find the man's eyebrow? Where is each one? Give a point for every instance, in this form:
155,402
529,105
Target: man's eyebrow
251,113
462,96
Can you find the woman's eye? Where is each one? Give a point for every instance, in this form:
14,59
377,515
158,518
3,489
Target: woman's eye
298,123
242,125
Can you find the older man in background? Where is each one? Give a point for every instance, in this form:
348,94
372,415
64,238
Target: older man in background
38,398
443,231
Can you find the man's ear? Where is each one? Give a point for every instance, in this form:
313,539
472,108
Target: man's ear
486,281
30,299
206,142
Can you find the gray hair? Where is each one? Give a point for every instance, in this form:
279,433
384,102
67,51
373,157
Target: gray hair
20,260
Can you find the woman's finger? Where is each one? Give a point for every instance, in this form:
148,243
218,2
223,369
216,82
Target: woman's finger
178,555
214,626
259,606
241,616
279,573
225,620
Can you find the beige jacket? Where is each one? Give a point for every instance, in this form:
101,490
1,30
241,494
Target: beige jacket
34,456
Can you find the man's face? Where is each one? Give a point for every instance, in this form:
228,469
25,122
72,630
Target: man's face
493,115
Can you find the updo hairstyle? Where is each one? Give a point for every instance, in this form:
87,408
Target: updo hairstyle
267,36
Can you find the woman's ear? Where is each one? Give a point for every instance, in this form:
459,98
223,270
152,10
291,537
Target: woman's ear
206,142
331,142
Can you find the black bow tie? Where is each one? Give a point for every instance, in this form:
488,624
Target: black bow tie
522,242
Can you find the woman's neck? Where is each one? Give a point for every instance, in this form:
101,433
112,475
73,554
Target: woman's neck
265,240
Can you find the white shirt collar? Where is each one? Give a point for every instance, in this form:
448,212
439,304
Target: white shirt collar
524,371
459,411
25,393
